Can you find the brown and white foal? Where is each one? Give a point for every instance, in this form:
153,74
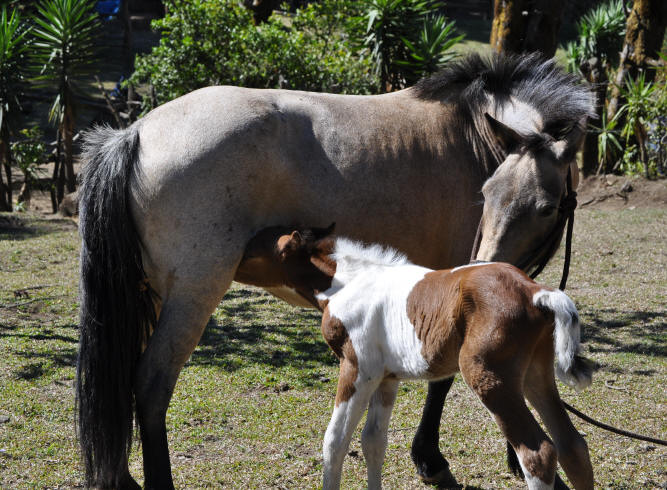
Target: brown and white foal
387,319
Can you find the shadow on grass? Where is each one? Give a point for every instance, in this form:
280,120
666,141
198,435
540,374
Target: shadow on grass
50,349
635,332
14,227
233,347
249,336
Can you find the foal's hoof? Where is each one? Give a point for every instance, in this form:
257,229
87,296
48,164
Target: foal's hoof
441,479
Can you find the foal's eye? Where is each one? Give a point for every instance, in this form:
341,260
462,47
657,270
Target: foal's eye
545,210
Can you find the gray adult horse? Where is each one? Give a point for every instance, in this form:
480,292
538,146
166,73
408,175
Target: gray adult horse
168,205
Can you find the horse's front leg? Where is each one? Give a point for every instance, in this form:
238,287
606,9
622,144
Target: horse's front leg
374,435
432,467
182,321
352,398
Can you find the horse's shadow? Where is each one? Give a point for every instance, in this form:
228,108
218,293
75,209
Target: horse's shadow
251,327
636,332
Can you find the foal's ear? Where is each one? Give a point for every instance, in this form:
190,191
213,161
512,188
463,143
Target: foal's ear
289,243
507,138
325,232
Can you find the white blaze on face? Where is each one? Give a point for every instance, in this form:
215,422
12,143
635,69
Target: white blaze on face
519,116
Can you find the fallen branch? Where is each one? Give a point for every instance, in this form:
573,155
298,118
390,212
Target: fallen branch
23,303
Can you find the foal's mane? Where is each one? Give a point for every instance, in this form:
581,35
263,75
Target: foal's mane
356,255
473,82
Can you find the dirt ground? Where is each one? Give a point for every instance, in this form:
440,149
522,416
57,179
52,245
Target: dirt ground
612,192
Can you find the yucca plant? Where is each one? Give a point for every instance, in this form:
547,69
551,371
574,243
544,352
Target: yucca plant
388,23
64,53
600,35
430,50
13,52
638,108
608,142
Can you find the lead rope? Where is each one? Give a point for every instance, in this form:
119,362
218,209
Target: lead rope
570,203
567,206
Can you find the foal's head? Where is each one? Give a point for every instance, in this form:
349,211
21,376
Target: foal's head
295,258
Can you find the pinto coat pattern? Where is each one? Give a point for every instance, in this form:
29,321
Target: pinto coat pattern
388,319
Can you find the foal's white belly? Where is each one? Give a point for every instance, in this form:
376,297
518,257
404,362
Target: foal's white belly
373,309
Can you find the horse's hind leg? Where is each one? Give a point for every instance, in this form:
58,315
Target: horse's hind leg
432,467
542,393
183,317
374,435
500,392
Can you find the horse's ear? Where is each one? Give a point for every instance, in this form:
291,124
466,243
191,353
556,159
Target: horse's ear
507,138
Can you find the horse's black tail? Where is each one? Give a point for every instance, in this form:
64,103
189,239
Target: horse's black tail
117,311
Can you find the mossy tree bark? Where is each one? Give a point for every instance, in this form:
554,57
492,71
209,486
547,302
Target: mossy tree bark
521,26
644,35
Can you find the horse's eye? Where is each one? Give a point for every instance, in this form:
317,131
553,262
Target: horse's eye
545,210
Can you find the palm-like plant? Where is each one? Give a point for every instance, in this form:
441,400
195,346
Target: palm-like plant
13,52
638,109
64,53
429,51
388,22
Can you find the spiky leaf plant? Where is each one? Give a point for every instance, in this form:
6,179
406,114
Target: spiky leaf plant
64,53
13,53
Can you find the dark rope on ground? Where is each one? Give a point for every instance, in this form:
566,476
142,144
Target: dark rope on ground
610,428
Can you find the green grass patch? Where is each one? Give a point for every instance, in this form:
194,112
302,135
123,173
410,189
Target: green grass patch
252,404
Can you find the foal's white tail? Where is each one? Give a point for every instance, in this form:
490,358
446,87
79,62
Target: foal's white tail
571,368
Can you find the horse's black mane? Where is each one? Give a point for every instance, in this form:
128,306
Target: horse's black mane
558,96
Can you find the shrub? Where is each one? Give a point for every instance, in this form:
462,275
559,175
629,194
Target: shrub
215,42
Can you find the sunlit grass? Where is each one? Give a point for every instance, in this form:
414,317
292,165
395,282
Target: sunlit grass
252,404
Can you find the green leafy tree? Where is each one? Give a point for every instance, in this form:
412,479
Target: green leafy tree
215,42
13,55
64,53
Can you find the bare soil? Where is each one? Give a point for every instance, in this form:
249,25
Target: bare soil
613,192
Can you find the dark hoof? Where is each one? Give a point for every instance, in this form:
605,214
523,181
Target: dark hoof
441,479
128,483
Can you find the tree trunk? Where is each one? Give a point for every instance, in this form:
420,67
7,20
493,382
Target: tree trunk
644,34
68,136
524,26
596,75
6,158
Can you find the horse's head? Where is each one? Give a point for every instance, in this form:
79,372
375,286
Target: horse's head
282,256
522,221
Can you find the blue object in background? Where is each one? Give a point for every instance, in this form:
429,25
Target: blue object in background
107,8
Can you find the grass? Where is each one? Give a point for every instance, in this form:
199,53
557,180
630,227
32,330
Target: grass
252,404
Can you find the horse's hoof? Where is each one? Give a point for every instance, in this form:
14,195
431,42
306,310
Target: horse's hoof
128,483
441,479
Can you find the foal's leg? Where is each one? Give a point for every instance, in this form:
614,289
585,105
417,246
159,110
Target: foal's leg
344,420
498,388
183,316
542,393
432,467
374,435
